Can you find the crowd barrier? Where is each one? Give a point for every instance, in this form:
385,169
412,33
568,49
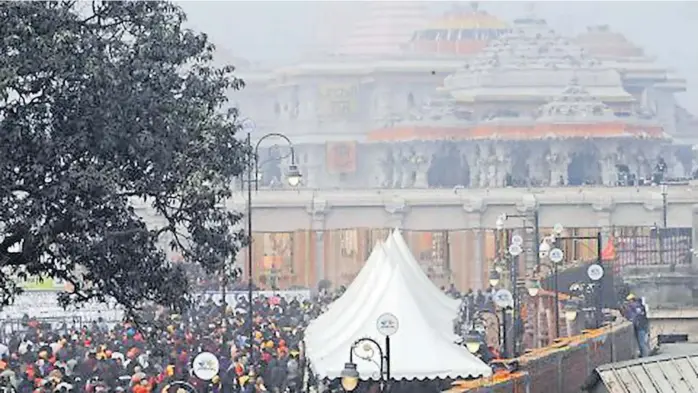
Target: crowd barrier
44,304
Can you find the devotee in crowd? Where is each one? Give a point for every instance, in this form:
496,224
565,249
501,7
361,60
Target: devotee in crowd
635,311
99,358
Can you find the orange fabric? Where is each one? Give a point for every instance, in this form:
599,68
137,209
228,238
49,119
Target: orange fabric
618,129
609,252
141,389
340,157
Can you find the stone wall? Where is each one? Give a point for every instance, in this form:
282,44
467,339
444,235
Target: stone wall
564,366
303,258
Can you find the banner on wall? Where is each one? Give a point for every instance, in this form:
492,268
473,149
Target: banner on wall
277,263
340,157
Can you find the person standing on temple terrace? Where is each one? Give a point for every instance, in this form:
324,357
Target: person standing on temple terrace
636,313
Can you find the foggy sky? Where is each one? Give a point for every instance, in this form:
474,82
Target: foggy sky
279,31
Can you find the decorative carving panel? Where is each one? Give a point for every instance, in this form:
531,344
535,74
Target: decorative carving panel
337,101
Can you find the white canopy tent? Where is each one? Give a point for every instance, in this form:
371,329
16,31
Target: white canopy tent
431,291
339,307
418,349
432,308
331,324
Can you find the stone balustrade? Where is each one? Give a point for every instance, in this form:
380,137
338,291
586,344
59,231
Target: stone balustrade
458,209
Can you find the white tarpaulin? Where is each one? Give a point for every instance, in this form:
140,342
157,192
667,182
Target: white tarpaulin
438,308
415,271
342,309
419,349
432,308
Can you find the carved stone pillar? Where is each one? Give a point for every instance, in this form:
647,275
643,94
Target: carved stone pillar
694,231
474,207
422,169
472,157
608,161
385,162
397,209
503,164
486,170
643,159
317,210
558,160
422,158
410,167
399,167
538,172
480,268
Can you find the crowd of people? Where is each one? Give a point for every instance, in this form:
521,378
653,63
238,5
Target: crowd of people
104,357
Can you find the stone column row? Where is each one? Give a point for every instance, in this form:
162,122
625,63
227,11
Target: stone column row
474,209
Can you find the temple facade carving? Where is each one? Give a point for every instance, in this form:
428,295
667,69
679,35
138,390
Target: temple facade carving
470,100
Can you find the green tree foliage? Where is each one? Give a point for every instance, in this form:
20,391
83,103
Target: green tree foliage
103,106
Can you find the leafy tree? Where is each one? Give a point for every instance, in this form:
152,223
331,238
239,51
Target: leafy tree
106,106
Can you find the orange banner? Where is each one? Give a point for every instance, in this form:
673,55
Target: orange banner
341,157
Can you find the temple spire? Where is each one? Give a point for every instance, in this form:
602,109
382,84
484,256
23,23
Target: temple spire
385,27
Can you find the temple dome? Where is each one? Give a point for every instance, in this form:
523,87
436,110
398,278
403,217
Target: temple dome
532,62
600,41
461,31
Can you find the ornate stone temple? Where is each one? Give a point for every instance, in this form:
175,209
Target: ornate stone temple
400,118
652,86
409,99
574,139
463,31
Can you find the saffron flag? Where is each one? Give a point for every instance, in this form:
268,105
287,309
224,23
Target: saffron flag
608,254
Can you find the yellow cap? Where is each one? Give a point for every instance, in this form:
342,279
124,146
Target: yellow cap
630,297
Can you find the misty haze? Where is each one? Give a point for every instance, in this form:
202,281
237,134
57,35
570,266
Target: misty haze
348,196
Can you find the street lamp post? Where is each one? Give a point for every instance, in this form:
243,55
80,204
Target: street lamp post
533,287
514,249
293,176
661,233
665,207
387,325
350,374
473,340
545,250
556,256
571,311
517,243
